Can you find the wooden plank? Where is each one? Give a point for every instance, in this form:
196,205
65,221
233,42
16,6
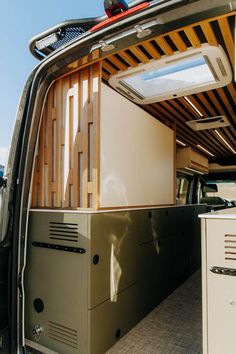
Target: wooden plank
151,50
164,45
49,147
232,91
96,96
109,67
84,84
139,54
228,39
118,63
58,87
209,34
228,106
192,36
105,76
41,160
177,40
75,142
66,146
35,185
129,60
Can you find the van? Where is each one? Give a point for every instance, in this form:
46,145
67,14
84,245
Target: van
124,136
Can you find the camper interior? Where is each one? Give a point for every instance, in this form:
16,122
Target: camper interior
133,145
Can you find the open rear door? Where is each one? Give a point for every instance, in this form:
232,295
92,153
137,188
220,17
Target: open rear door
10,280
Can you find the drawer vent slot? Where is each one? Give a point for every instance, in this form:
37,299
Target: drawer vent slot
230,247
63,231
63,334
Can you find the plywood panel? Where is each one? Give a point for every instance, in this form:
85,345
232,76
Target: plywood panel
137,155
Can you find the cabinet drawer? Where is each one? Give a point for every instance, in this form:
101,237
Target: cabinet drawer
114,240
112,320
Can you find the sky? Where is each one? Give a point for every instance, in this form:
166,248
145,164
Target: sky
20,21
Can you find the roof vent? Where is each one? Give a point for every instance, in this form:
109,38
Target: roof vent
208,123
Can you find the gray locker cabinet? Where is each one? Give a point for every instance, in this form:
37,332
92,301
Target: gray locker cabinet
132,259
219,281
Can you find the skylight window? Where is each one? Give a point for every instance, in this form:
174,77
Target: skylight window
196,70
179,76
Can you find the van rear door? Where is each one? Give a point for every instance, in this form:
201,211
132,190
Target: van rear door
10,280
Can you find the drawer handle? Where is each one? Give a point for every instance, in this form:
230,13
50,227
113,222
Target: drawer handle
52,246
223,271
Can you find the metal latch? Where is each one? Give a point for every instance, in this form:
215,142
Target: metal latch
223,271
106,47
37,332
142,32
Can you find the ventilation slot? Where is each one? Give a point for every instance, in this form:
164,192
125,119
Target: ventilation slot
63,231
123,92
131,90
221,66
230,247
63,334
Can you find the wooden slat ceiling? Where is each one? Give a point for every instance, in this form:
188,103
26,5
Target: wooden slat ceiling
211,103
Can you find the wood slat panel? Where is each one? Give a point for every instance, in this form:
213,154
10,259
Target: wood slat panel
66,151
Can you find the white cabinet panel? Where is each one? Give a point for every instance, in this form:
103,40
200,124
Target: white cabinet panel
136,156
218,286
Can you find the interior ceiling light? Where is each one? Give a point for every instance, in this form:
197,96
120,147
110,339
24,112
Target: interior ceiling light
208,123
193,170
180,142
205,150
194,107
178,75
226,143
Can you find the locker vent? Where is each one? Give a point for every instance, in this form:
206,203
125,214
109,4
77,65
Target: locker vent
63,231
63,334
230,247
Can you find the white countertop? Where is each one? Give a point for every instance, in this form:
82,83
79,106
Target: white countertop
229,213
92,211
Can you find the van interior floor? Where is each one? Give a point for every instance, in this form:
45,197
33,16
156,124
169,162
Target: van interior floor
173,327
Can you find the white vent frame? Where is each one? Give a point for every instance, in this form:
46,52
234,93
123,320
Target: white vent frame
208,123
215,57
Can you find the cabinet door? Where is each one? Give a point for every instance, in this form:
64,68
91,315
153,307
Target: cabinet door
221,289
221,314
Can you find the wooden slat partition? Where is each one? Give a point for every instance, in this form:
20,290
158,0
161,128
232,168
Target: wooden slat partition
66,171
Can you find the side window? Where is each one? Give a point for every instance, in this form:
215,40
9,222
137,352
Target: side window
182,188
